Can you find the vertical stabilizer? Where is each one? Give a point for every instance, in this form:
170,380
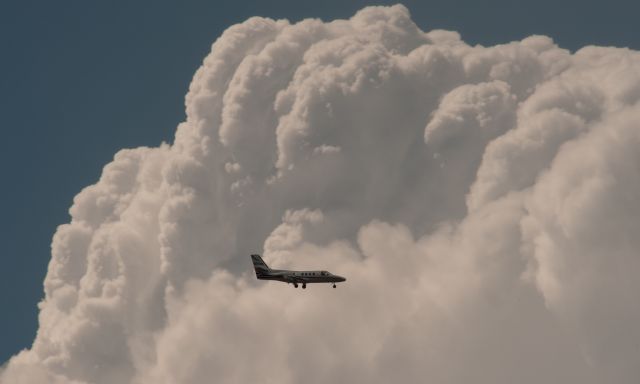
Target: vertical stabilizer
260,266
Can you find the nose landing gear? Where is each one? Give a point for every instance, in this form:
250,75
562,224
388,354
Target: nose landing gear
334,285
295,285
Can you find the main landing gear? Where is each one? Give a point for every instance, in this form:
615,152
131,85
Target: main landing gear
304,286
295,285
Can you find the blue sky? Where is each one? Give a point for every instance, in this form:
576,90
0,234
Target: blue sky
82,80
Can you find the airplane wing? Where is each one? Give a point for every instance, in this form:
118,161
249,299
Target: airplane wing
295,279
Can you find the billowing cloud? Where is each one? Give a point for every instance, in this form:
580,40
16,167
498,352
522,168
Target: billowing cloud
481,202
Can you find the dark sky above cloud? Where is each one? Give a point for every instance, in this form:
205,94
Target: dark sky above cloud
84,80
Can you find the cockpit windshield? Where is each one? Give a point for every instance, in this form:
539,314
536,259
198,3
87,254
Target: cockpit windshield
324,273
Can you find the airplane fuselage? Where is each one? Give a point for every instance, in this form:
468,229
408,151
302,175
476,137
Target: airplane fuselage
263,272
301,276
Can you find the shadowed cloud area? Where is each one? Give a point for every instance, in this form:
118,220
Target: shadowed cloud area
481,202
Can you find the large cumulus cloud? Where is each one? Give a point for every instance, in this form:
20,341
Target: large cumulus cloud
480,200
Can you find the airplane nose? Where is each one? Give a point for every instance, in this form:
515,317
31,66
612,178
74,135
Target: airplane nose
342,278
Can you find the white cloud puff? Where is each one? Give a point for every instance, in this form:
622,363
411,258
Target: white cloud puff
481,202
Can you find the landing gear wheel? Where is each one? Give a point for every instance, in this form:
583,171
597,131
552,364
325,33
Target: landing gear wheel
295,285
334,285
304,286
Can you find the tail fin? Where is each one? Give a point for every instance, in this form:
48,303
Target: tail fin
260,266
